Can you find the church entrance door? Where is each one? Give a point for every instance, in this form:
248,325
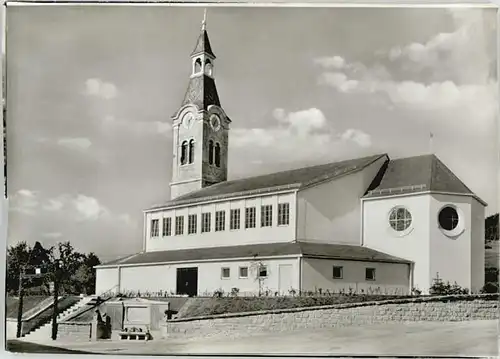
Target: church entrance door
187,281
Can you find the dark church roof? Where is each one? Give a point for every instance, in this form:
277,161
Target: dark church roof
292,179
203,45
306,249
201,92
426,173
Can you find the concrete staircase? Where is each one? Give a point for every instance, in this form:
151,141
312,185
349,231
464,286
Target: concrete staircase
44,332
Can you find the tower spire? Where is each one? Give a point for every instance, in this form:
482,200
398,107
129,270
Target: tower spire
204,22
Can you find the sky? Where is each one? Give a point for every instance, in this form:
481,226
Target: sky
90,92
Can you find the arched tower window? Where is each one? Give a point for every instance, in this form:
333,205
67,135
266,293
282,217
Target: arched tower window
211,152
184,148
217,155
197,66
191,151
208,67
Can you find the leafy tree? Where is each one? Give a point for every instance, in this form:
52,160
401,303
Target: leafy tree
75,274
66,261
21,255
84,278
491,228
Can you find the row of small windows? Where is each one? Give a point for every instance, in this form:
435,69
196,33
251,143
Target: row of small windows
225,272
400,218
338,273
266,220
187,153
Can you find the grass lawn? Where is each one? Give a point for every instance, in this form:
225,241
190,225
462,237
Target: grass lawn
213,306
29,304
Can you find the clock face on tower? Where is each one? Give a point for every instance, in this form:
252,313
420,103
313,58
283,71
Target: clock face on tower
215,122
188,120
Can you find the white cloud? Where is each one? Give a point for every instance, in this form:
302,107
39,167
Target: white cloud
333,62
53,205
99,88
88,208
449,71
112,124
24,201
80,208
75,143
361,138
304,135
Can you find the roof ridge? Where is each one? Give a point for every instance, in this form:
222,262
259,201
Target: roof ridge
348,170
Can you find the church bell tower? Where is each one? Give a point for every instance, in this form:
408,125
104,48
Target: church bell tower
200,127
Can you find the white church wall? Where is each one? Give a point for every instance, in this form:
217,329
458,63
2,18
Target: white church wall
106,280
412,244
477,246
155,278
331,212
451,255
227,237
390,278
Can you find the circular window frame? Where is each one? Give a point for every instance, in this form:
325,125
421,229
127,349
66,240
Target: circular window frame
404,232
459,229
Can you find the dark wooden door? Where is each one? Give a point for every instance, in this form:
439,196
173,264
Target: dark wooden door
187,281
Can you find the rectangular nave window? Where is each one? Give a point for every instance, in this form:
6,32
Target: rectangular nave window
205,222
179,225
283,214
250,217
155,228
220,221
167,227
266,215
235,219
192,224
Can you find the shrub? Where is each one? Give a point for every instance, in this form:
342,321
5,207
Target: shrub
439,287
490,287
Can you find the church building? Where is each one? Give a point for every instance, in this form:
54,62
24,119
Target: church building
366,225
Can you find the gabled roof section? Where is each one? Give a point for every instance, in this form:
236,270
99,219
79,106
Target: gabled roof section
306,249
279,181
201,92
203,45
426,173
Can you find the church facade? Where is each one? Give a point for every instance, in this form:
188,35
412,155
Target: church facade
371,224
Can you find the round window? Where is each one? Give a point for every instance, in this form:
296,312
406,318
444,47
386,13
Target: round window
400,219
448,218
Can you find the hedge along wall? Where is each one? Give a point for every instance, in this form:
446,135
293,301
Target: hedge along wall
443,308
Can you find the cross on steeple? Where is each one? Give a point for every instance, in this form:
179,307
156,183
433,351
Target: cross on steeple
204,22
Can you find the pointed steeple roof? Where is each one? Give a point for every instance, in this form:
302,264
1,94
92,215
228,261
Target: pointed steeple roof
201,92
203,43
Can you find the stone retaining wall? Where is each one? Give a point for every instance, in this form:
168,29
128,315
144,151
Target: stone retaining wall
446,308
74,331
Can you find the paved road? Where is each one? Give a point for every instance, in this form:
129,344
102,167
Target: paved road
474,338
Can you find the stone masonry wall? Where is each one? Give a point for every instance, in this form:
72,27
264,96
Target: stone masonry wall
73,331
449,308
